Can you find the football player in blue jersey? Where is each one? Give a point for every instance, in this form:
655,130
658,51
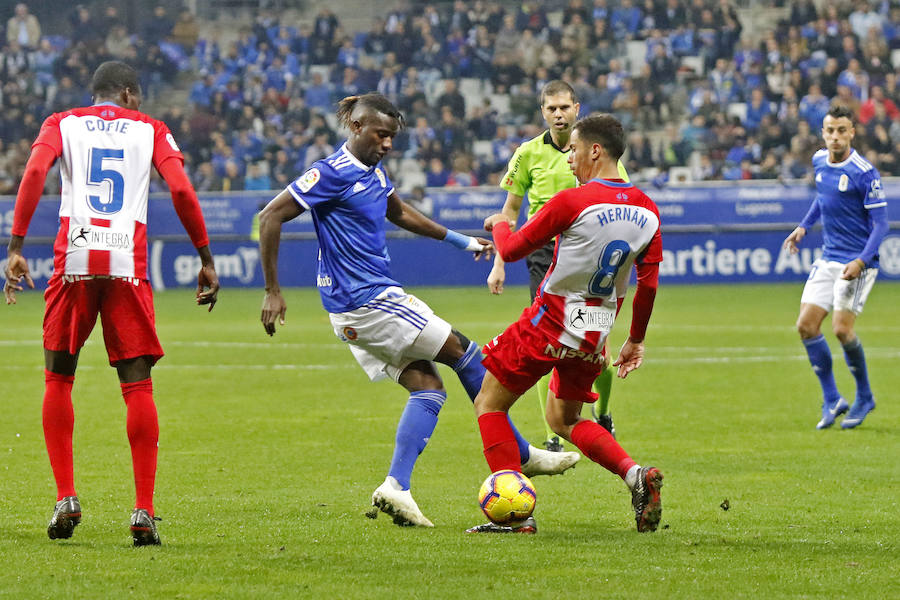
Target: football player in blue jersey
851,203
391,333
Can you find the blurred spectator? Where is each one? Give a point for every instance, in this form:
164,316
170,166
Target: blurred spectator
185,31
205,178
23,27
419,200
320,148
868,108
318,94
437,174
257,179
864,19
262,94
158,26
639,153
232,181
84,27
462,174
452,99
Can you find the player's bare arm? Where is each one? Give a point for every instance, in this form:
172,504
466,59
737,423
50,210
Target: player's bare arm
495,218
497,276
792,241
207,280
281,209
406,217
16,270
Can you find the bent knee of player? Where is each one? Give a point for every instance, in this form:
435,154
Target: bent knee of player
807,328
844,332
560,418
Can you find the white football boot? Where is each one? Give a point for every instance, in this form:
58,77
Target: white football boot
544,462
390,499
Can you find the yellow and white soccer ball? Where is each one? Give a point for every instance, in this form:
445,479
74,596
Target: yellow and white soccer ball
507,497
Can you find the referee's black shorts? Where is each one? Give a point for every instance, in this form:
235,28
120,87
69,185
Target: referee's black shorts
538,263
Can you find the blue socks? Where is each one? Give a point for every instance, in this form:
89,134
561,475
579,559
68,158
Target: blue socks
856,360
820,359
471,373
413,432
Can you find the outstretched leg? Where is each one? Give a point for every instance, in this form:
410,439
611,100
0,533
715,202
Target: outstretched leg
464,357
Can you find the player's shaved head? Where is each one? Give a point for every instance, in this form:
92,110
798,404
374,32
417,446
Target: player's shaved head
358,108
555,87
605,130
112,77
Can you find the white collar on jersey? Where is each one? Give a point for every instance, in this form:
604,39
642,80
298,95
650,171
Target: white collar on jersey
843,162
355,160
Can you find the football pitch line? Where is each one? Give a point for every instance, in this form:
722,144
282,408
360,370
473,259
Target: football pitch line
718,356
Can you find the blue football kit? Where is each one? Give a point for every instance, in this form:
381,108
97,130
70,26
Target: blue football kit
851,202
348,202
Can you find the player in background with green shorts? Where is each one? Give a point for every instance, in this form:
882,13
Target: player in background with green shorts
539,169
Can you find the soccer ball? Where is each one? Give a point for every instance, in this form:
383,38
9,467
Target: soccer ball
507,497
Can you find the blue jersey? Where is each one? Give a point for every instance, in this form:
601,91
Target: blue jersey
348,201
846,192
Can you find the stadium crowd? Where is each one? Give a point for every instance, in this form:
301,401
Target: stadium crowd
703,94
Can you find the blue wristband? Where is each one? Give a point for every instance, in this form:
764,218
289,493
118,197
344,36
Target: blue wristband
456,239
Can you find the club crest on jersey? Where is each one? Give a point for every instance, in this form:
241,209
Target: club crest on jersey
308,180
380,175
350,333
843,183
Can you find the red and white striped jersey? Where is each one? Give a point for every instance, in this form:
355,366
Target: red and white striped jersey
604,228
106,154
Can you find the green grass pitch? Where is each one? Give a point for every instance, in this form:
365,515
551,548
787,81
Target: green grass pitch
270,450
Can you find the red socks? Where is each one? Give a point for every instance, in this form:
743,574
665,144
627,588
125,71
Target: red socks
500,448
598,445
143,435
59,420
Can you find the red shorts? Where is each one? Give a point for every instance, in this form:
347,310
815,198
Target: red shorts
523,354
125,309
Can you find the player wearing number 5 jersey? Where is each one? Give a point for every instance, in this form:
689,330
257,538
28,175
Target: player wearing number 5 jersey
106,152
604,227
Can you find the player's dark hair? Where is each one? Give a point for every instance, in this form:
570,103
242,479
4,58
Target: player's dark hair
112,77
605,130
371,101
839,111
557,86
